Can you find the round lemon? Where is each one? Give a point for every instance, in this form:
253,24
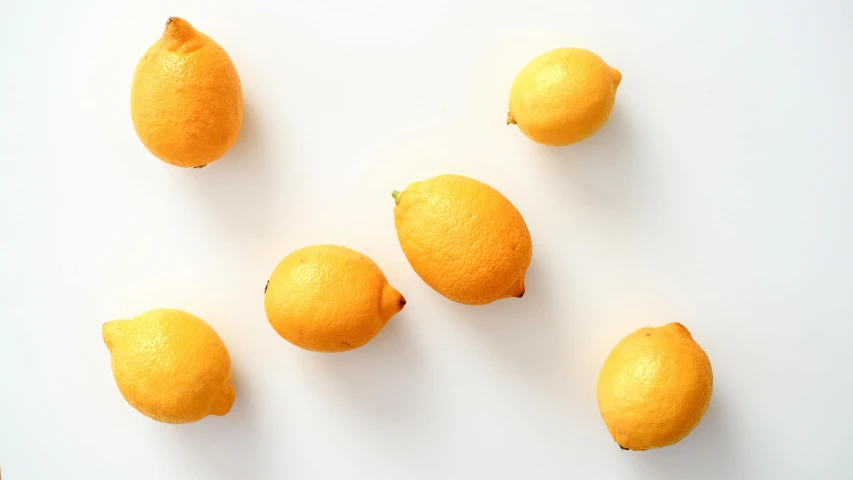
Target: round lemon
328,298
563,96
463,238
654,387
170,365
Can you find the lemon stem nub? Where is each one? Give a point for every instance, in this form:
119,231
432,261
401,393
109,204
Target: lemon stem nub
509,119
396,196
178,32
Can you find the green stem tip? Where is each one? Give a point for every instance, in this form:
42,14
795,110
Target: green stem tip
396,196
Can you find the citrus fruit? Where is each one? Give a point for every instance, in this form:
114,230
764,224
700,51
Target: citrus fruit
186,100
463,238
328,298
563,96
170,365
654,387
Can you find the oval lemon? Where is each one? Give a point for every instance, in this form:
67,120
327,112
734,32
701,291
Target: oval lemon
463,238
170,365
328,298
563,96
186,100
655,387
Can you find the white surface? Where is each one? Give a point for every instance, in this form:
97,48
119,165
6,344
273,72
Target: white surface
719,195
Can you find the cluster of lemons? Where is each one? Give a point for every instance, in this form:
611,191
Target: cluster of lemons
462,237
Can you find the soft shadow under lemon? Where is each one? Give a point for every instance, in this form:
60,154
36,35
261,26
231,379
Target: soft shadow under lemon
602,171
526,336
382,378
225,447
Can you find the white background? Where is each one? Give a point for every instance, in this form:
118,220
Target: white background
719,195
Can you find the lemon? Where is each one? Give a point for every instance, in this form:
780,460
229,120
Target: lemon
654,387
463,238
563,96
170,365
186,100
328,298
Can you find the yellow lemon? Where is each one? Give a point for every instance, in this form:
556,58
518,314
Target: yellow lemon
563,96
170,365
327,298
186,100
654,387
463,238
